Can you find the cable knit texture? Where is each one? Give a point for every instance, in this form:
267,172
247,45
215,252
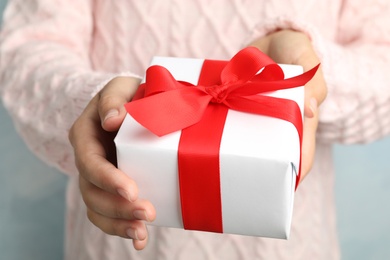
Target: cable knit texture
57,54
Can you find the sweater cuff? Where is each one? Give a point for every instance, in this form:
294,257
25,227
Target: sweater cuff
101,85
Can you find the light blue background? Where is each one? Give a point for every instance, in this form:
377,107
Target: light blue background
32,200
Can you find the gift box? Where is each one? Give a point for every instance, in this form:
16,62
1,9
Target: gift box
241,182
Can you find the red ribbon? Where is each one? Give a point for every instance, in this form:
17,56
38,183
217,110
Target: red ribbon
164,105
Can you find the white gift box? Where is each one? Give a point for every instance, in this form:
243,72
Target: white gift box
259,159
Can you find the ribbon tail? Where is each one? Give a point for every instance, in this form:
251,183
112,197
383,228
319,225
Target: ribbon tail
302,79
260,85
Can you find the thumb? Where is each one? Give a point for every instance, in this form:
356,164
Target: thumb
112,98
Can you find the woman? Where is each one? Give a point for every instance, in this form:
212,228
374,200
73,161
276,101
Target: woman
76,63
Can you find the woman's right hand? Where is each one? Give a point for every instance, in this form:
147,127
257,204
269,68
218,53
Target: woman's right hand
110,195
293,47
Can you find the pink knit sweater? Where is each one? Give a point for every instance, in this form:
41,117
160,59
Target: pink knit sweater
57,54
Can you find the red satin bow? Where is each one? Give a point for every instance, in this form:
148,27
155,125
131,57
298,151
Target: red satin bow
164,105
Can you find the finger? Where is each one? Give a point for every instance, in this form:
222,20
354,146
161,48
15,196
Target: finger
134,229
95,169
112,97
310,107
140,244
308,144
114,206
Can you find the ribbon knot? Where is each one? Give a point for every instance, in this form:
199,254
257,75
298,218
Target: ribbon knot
218,93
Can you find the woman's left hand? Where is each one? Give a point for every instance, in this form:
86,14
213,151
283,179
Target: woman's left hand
292,47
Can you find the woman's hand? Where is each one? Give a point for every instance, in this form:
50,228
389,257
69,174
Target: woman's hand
110,195
292,47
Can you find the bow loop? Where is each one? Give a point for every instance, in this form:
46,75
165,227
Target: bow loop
245,65
158,79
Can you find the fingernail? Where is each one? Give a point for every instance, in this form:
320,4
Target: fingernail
111,113
141,215
132,233
141,233
313,105
125,194
136,234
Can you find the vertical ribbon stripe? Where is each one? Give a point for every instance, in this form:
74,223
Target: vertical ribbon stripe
198,162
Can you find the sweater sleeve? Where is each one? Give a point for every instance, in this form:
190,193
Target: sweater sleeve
46,78
355,65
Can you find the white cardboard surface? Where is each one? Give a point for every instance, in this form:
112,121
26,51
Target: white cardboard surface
258,158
